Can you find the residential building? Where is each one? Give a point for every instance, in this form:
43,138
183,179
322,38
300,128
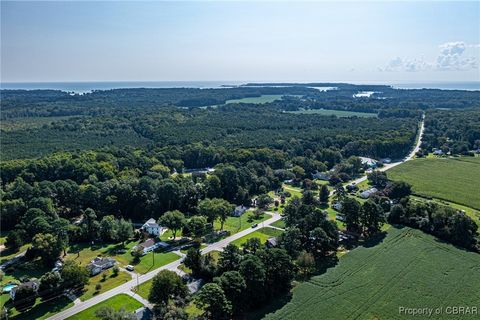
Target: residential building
272,242
33,283
321,175
153,228
238,211
99,264
368,193
150,245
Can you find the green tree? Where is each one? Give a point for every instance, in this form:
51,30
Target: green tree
372,217
305,262
229,258
74,276
124,230
13,241
49,284
174,220
47,246
233,285
193,260
324,194
108,228
197,226
253,271
263,201
212,299
166,285
252,245
351,210
215,209
378,178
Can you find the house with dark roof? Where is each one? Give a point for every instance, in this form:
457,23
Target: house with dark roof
99,264
33,284
272,242
150,245
238,211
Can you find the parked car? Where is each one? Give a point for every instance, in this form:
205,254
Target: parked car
129,267
255,225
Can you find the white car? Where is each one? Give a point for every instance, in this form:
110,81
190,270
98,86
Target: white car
129,267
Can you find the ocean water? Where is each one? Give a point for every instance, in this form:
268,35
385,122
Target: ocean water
467,85
84,87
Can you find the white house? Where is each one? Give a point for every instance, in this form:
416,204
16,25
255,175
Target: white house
368,193
369,162
153,228
98,264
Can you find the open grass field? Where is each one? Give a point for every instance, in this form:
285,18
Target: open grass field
406,269
237,224
451,179
338,113
117,302
263,234
262,99
84,253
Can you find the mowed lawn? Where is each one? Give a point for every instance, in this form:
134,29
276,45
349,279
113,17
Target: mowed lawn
84,253
117,302
408,268
452,179
263,234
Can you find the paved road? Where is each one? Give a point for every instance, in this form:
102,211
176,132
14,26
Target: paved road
407,158
126,287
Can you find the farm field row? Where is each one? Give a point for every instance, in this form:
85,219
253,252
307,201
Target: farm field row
451,179
407,268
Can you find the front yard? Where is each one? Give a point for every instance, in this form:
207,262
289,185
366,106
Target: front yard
117,302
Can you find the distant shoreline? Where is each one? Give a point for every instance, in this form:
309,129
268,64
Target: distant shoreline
84,87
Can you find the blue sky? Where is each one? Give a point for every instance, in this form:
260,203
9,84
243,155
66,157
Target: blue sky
254,41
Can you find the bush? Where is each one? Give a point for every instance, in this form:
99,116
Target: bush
98,287
115,271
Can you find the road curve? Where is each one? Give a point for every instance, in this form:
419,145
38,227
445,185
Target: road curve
410,156
128,286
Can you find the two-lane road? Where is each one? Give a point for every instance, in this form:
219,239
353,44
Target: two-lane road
410,156
128,286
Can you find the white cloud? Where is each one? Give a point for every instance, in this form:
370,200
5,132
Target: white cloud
451,57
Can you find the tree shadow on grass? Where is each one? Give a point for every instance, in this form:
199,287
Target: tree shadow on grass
275,304
374,240
53,306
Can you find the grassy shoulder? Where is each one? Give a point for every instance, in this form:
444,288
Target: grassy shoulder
111,281
263,234
117,302
376,280
450,179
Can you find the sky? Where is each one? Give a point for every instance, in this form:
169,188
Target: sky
240,41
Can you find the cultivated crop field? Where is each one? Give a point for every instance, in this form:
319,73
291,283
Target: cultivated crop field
407,269
452,179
